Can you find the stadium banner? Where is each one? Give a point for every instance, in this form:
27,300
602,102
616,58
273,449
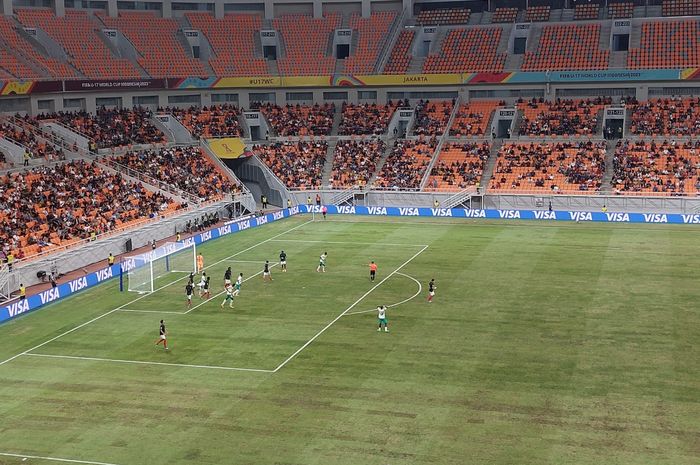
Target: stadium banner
115,84
228,148
29,87
608,75
396,80
35,301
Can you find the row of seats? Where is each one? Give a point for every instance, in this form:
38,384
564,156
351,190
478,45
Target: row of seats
354,162
442,16
400,57
680,7
584,11
186,168
299,165
550,167
35,148
568,47
468,49
504,15
51,206
300,120
306,41
667,44
621,10
213,121
372,33
472,118
537,13
459,166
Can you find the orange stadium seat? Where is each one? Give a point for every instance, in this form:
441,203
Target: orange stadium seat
443,16
468,50
584,11
306,43
400,57
620,10
504,15
372,33
568,47
667,44
472,118
537,14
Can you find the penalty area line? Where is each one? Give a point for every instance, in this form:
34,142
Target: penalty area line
298,351
143,362
420,289
53,459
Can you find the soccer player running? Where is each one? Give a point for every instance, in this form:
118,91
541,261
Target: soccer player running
372,271
266,272
227,276
207,292
431,290
163,337
202,282
283,261
322,263
188,290
229,297
237,287
381,316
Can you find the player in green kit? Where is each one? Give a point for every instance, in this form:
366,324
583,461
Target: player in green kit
322,263
381,315
229,297
237,286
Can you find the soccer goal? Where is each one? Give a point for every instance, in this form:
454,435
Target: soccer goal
172,257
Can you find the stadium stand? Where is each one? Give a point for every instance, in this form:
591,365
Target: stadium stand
300,120
459,165
443,16
37,149
667,44
472,118
651,168
400,57
431,117
183,167
232,39
405,166
666,117
51,206
354,162
162,55
620,10
306,44
680,8
366,118
537,14
468,50
568,47
561,118
504,15
13,67
372,33
565,167
77,33
112,127
299,165
214,121
586,11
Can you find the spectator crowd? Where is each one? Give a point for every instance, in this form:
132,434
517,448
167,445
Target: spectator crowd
459,166
366,118
355,161
299,165
431,117
668,116
206,122
405,166
300,120
561,117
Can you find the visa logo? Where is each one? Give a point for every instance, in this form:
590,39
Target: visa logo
346,210
408,212
509,214
691,219
277,215
78,284
294,211
262,220
18,308
618,217
206,236
103,274
49,295
474,213
544,215
581,216
441,211
655,218
244,225
376,210
223,230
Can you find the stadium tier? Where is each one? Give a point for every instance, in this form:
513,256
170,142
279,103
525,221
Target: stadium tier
431,118
400,57
537,14
442,16
667,44
472,119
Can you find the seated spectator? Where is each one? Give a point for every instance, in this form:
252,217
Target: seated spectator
554,167
37,148
560,118
405,166
472,118
431,117
185,168
355,161
300,120
112,127
56,205
299,165
214,121
656,168
459,165
366,118
667,116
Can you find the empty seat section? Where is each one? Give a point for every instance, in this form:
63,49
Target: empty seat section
306,44
656,168
568,47
680,8
468,50
564,167
407,163
504,15
472,119
162,55
299,165
400,57
232,39
666,117
78,34
620,10
443,16
372,33
459,166
537,14
586,11
667,44
561,118
354,162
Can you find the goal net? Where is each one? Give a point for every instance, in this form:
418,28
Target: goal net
172,257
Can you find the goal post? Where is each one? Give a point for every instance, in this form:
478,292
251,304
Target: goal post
147,268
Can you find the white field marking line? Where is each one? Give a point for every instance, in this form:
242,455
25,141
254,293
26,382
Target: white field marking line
260,262
348,309
350,242
420,289
53,459
149,311
140,362
222,292
146,295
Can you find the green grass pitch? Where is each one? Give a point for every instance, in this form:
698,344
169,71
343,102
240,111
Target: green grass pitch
547,343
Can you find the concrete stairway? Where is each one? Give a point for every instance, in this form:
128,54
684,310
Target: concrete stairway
381,162
606,187
328,166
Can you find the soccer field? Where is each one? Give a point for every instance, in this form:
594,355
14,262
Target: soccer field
547,343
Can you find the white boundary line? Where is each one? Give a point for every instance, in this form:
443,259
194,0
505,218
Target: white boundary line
139,362
347,310
222,292
54,459
149,311
350,242
146,295
420,289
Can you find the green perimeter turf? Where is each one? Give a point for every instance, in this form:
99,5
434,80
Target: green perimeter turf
546,344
